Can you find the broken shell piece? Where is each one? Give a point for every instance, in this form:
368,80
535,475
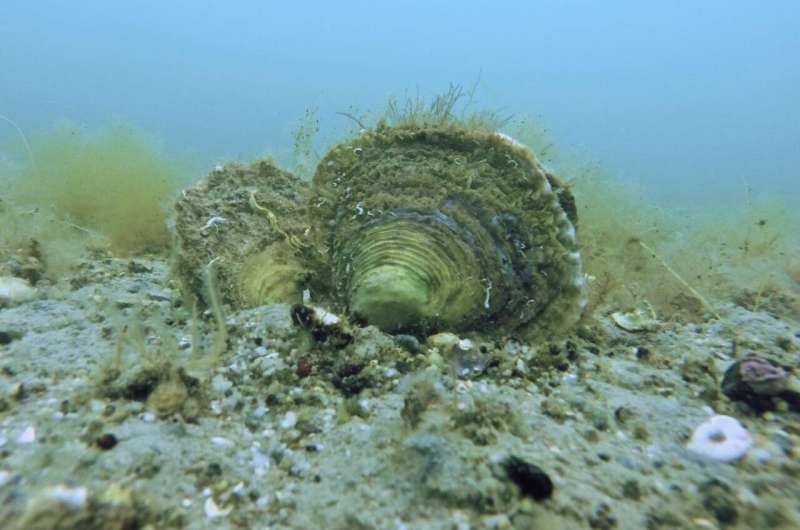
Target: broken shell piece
643,318
323,325
213,511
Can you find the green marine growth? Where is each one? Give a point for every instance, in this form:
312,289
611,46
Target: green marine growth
248,222
446,227
155,374
413,228
114,183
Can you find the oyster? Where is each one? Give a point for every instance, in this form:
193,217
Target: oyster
427,228
248,221
410,228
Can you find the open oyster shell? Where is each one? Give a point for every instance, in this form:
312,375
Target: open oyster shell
413,229
428,228
248,222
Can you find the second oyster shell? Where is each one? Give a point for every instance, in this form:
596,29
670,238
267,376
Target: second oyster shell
248,221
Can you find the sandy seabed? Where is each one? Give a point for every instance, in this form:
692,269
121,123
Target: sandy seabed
115,413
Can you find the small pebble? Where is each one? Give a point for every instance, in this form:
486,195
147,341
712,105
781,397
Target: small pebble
106,441
531,479
407,342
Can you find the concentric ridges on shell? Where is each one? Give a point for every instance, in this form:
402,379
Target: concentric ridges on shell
507,210
433,278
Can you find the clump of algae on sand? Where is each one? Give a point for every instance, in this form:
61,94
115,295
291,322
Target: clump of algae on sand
113,185
684,259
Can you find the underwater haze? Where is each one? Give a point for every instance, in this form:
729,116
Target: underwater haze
690,100
399,265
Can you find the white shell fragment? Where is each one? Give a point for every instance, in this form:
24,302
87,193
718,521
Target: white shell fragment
720,438
75,498
213,511
325,318
642,318
15,291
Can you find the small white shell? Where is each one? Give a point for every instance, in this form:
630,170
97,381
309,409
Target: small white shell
720,438
640,319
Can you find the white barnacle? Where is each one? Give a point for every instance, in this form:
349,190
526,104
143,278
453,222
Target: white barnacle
213,221
359,208
357,151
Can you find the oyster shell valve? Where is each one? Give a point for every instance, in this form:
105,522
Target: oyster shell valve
430,228
414,229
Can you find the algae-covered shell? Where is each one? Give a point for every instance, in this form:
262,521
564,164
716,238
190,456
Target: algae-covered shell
248,221
428,228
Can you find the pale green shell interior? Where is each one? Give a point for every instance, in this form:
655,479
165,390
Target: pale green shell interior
406,272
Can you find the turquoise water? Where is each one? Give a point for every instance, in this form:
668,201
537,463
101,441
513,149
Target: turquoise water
685,98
